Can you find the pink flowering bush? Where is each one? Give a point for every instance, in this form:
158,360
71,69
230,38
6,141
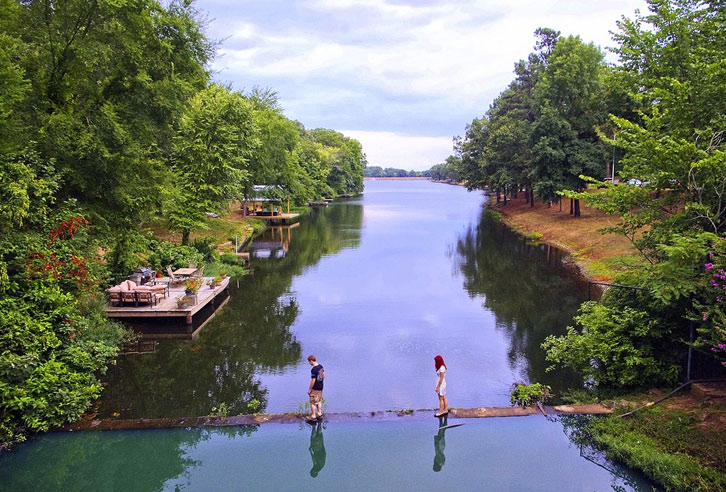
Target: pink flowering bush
713,309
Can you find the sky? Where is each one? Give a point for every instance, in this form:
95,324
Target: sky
401,76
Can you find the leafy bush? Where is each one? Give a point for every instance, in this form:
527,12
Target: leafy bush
167,254
55,338
529,394
206,247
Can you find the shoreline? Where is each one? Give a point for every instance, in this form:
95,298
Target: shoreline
595,256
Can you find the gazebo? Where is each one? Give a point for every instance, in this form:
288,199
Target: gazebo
266,201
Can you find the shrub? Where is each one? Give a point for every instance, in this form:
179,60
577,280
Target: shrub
529,394
165,254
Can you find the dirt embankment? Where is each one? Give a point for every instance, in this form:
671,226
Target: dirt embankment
599,256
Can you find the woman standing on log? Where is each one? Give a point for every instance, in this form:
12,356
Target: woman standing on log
441,386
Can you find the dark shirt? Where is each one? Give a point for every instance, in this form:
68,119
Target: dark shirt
315,373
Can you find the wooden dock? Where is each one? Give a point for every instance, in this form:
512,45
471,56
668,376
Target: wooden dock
167,308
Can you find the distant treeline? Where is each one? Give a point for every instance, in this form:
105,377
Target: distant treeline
448,171
391,172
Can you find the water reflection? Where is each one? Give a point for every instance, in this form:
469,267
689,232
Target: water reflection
129,460
528,288
317,448
575,428
250,336
440,444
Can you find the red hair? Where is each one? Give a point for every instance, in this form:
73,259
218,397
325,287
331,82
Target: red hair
439,361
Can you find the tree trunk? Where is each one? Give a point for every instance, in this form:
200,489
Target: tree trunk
577,208
572,209
499,198
526,194
185,237
531,197
505,195
560,200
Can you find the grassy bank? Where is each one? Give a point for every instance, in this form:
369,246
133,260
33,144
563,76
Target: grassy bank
677,444
599,256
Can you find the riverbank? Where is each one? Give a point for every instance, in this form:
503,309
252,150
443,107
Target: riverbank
677,443
598,256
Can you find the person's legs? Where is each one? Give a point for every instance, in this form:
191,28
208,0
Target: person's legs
441,404
446,404
315,404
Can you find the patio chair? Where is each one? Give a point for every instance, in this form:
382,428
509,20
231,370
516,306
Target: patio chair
199,272
114,295
128,296
174,279
145,295
192,265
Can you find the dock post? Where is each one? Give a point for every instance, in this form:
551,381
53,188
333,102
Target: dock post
189,318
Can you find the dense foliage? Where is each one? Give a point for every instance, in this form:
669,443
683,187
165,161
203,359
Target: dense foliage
658,116
676,217
109,119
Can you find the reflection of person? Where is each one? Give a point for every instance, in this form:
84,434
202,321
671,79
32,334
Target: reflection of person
441,386
315,390
317,449
440,445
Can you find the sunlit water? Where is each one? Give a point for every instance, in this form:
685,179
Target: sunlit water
375,287
505,454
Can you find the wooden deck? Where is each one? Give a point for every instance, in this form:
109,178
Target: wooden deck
166,307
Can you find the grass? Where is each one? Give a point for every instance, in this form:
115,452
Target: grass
667,446
599,256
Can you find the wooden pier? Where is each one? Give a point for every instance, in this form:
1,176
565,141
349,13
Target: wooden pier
167,307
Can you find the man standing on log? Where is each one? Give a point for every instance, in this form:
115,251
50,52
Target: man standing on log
315,390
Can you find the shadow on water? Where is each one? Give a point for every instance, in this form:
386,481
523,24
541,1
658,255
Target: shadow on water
249,336
528,287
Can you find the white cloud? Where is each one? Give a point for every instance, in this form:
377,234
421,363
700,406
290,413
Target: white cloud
387,149
391,69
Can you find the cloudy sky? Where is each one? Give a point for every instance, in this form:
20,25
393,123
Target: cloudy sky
401,76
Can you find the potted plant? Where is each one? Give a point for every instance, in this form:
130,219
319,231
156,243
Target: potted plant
192,286
218,280
223,275
182,302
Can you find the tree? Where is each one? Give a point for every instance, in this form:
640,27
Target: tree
672,63
107,82
216,137
570,104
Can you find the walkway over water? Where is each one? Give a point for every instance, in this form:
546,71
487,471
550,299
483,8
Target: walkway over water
89,424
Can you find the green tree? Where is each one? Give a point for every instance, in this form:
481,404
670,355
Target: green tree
216,137
672,59
570,104
107,82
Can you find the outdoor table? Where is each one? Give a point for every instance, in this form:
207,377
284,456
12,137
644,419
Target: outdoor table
185,272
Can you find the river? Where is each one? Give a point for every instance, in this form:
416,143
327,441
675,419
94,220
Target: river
375,287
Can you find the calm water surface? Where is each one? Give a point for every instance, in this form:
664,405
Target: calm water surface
375,287
510,454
